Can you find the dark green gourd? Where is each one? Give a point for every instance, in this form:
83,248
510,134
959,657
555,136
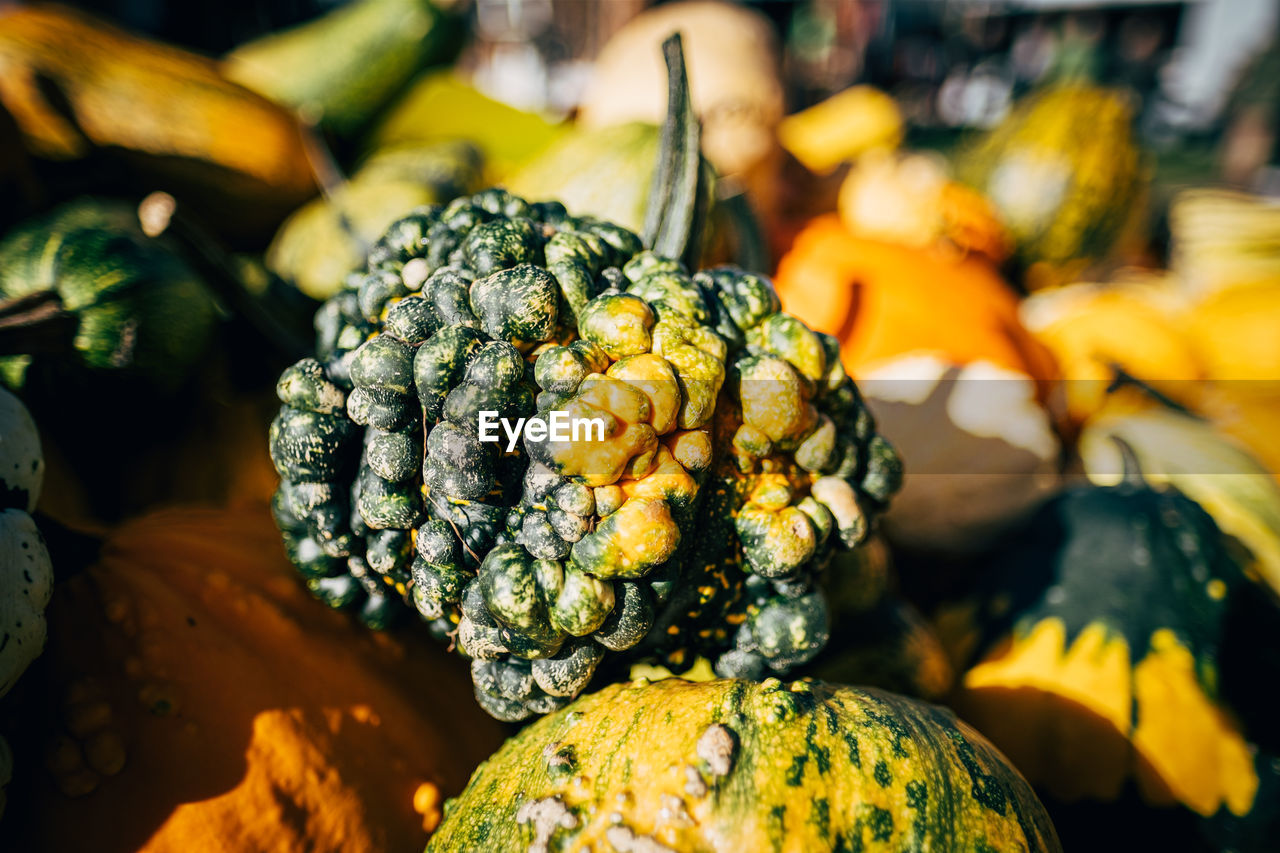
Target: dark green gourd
84,289
734,455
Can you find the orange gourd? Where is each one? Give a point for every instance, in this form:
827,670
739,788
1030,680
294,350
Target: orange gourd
883,300
915,324
200,699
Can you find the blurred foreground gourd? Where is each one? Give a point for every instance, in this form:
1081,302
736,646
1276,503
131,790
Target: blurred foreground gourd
733,765
26,575
198,698
119,302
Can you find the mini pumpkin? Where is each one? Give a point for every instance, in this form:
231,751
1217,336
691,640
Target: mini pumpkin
952,377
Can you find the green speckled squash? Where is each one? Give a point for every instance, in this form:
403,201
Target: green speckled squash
727,765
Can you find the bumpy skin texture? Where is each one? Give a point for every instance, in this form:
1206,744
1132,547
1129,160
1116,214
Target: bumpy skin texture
731,765
736,458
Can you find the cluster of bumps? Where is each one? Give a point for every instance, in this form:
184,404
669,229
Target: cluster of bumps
737,455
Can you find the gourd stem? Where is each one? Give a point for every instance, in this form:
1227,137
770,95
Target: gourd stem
676,205
36,324
1129,459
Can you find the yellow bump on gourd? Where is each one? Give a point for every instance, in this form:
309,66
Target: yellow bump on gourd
667,479
621,399
772,492
641,533
774,401
652,376
691,448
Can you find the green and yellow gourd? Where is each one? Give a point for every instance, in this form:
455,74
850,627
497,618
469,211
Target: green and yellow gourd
1125,646
1066,176
737,458
730,765
115,300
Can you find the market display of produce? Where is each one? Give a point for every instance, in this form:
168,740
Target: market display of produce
926,494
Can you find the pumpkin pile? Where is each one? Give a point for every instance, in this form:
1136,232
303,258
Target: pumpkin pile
358,421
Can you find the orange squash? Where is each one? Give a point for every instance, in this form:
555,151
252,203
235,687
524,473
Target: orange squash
200,699
883,300
912,323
